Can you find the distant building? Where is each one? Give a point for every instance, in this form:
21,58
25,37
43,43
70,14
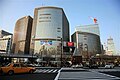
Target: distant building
88,40
5,41
22,35
50,28
4,33
110,47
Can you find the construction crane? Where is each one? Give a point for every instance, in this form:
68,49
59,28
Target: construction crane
94,19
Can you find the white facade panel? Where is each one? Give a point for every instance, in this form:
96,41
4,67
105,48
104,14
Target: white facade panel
89,29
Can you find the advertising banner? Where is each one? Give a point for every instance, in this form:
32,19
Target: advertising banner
3,44
46,42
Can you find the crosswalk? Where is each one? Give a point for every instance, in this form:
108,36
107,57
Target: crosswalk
103,70
46,71
85,74
55,70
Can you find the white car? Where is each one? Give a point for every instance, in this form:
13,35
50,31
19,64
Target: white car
109,66
77,66
119,65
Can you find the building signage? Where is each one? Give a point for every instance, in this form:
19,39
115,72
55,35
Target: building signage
46,42
3,44
70,44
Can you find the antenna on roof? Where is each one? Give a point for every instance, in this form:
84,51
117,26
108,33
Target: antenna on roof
43,4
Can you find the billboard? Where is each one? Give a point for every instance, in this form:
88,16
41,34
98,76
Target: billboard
70,44
46,42
3,45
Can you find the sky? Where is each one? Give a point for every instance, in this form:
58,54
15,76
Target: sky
78,12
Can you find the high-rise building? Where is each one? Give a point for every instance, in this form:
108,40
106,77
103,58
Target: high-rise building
50,29
22,35
110,47
5,41
88,40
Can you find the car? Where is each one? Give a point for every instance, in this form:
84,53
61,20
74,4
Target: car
16,68
0,71
34,65
119,65
77,66
93,66
109,66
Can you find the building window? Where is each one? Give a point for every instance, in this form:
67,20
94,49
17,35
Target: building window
44,17
58,28
44,14
58,31
58,37
85,38
45,21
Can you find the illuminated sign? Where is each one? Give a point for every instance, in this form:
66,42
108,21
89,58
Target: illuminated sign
70,44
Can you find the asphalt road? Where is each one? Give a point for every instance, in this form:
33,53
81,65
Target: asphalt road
113,73
40,76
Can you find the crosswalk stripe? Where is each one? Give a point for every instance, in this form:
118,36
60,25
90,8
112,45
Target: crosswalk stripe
50,71
55,70
46,71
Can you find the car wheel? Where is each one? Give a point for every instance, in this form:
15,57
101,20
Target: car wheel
31,71
1,72
10,72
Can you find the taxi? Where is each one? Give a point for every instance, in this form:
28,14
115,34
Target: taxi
16,68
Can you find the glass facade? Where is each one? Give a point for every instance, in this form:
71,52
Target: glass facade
90,43
22,35
50,29
87,38
89,28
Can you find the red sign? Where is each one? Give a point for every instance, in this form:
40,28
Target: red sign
70,44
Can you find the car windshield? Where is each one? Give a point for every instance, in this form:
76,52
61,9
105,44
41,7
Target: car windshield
7,65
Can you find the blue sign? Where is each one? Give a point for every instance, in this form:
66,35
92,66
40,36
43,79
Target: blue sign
45,42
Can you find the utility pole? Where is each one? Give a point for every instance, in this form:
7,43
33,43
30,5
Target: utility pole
61,50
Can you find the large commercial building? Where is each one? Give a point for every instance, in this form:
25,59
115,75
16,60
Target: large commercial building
87,38
22,35
50,29
5,41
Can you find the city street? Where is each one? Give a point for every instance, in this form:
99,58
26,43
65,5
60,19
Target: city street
67,74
